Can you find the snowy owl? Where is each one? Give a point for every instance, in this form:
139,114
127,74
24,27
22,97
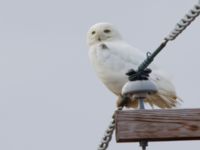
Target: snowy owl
112,58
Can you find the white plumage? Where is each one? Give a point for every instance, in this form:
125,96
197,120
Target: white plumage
112,57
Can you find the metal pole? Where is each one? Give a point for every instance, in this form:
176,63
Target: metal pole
143,143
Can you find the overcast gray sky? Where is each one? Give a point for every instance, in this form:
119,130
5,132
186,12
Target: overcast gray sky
50,97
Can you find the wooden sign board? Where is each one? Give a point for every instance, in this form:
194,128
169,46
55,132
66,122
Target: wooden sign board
157,125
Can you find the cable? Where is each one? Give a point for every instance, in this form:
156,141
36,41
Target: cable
184,22
179,28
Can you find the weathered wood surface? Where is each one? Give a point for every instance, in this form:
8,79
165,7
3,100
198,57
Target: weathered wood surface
157,125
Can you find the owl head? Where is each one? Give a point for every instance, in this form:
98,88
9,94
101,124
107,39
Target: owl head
102,32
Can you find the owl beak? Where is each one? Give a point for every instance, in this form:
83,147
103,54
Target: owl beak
99,39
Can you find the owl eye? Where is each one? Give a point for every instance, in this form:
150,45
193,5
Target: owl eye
93,32
107,31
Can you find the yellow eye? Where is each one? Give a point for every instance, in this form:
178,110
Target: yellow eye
107,31
93,32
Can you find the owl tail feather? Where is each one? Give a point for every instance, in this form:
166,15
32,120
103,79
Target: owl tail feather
158,99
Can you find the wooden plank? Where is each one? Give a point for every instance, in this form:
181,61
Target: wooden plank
157,125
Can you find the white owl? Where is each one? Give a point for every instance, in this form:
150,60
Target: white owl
112,58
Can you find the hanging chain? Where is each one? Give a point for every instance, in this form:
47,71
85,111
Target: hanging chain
108,133
179,28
